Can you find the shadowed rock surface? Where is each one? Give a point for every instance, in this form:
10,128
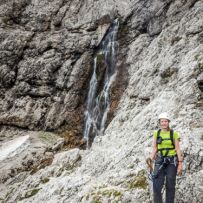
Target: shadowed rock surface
46,61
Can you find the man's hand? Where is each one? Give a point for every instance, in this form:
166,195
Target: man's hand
180,168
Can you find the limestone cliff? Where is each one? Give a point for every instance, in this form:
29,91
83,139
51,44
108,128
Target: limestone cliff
46,60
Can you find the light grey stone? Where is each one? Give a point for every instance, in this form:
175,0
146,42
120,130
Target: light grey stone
46,52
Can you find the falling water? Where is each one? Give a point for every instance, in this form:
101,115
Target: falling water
98,100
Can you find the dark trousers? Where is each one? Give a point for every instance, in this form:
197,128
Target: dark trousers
169,173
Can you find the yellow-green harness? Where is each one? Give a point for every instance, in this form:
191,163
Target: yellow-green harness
159,141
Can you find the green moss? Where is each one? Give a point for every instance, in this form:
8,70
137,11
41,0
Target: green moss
138,182
47,136
131,166
141,173
101,186
110,192
45,180
100,58
200,66
43,135
30,193
97,195
198,56
97,200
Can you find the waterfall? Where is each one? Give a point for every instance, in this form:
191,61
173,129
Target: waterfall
98,100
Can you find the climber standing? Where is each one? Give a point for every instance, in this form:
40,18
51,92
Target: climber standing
168,160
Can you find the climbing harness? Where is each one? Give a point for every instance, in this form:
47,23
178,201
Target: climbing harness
160,162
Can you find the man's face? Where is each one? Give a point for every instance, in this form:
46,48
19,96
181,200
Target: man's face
164,123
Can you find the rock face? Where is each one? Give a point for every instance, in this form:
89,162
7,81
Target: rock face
46,52
27,153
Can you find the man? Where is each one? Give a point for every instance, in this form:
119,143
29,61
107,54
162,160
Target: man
168,160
